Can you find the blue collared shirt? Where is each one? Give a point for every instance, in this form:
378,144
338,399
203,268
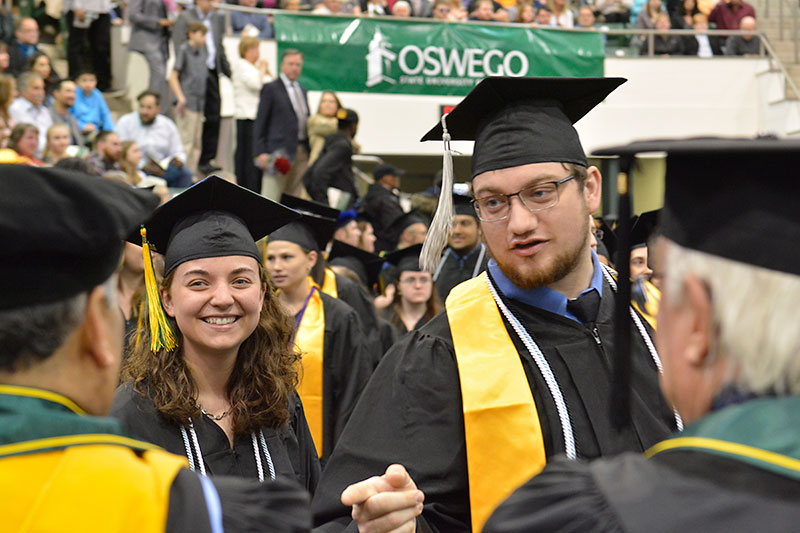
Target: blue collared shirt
542,297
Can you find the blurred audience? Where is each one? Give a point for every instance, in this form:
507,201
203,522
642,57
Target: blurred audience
29,107
58,140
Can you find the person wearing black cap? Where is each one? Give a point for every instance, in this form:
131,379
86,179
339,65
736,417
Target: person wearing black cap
641,230
465,256
366,267
729,342
336,364
334,167
381,203
415,299
518,367
66,466
212,373
332,284
407,230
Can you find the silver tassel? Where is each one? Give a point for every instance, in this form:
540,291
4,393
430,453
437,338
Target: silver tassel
439,232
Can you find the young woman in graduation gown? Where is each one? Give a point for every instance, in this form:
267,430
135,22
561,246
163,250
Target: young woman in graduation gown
212,373
415,299
336,363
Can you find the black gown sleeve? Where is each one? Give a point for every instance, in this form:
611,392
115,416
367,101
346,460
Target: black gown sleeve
563,497
348,366
409,413
357,297
246,505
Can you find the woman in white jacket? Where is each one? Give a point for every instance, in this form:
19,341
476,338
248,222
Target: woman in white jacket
249,74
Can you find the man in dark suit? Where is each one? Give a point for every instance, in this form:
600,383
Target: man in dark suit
217,64
280,129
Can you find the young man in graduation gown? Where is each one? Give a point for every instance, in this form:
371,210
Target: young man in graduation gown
63,464
465,256
517,368
727,333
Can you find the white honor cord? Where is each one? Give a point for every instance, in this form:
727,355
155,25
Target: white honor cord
481,255
200,461
188,447
647,340
256,450
267,454
544,369
258,458
441,264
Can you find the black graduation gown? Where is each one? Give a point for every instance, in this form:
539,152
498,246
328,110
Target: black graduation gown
357,297
388,335
346,369
684,490
246,505
411,413
291,447
451,273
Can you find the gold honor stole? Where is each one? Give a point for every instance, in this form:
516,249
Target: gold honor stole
310,339
329,284
501,426
41,486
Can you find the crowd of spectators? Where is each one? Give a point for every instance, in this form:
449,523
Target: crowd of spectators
172,136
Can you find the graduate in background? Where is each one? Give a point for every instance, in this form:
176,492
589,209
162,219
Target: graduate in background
213,370
331,283
65,465
366,268
729,343
415,298
465,256
336,364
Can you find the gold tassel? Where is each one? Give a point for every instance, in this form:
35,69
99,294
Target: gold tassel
161,334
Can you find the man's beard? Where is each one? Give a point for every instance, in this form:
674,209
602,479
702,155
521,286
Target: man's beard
147,123
563,264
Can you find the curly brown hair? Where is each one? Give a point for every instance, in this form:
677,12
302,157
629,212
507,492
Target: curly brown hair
264,375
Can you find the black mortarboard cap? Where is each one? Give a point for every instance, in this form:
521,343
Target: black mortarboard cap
311,232
733,198
399,224
366,265
62,232
643,228
609,239
405,260
213,218
309,207
462,205
517,121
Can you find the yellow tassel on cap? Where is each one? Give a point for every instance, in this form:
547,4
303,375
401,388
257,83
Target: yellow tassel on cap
161,333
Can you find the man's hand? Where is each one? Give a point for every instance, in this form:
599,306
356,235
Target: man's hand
175,162
166,23
262,160
153,169
180,108
89,128
389,503
80,14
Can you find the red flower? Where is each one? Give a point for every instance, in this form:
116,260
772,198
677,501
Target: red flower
282,165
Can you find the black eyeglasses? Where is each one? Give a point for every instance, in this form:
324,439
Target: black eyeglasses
538,197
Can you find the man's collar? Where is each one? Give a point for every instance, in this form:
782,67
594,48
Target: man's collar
543,297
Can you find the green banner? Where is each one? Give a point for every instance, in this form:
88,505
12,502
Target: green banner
413,56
